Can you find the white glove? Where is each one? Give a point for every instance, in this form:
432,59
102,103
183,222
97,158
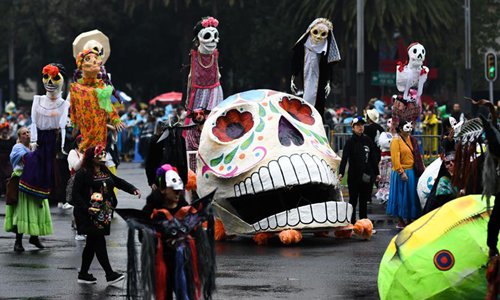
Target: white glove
327,89
33,146
293,87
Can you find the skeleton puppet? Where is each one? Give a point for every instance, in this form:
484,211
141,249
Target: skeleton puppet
409,76
99,42
49,113
204,89
268,156
91,102
313,55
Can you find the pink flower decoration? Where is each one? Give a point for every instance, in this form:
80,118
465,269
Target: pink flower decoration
210,22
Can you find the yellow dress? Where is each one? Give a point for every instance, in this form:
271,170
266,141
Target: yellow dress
87,114
430,128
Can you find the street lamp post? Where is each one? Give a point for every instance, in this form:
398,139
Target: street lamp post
360,69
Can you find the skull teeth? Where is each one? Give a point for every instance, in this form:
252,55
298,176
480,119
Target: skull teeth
287,171
317,215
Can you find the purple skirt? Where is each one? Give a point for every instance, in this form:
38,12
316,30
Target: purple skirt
38,173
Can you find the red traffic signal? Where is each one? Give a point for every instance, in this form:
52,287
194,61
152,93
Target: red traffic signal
490,66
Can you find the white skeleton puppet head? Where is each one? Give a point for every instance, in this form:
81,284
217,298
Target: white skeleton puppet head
413,74
385,139
267,154
206,35
53,79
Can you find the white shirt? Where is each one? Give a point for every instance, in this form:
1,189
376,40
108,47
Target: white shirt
48,114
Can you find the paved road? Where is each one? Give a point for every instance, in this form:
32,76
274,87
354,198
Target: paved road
317,268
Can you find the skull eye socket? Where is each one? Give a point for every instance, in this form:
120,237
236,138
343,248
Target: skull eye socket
216,35
57,77
298,110
315,31
232,125
415,51
45,76
423,51
207,35
323,34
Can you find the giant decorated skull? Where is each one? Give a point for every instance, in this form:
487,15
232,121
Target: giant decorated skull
267,154
416,54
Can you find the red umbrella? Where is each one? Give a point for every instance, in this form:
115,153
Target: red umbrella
167,98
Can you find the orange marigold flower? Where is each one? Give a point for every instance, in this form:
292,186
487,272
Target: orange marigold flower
50,70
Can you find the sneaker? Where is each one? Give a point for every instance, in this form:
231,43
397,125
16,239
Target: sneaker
67,206
114,277
86,278
80,237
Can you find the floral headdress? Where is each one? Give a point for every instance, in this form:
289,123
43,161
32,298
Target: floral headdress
204,23
50,70
4,125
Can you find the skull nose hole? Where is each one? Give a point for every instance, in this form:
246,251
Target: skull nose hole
288,134
235,130
420,56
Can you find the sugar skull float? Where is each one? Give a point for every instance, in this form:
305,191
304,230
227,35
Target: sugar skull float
267,154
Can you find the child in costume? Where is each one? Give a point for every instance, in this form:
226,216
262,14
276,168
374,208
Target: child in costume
94,202
91,102
172,233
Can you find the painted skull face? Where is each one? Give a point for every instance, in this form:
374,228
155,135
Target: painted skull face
268,156
95,45
173,180
389,123
208,38
52,79
407,127
416,53
91,65
96,199
319,32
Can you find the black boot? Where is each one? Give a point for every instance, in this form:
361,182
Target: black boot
18,246
36,242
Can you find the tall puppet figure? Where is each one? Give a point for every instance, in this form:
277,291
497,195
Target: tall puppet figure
91,102
49,114
313,56
204,91
99,42
410,79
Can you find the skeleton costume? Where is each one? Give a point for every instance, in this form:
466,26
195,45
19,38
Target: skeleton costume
177,253
204,89
385,165
410,79
313,55
49,114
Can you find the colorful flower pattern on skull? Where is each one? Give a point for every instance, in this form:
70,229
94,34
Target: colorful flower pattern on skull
249,130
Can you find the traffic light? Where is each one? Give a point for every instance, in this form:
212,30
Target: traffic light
491,66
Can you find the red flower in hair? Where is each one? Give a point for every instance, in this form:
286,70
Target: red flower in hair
210,22
4,125
50,70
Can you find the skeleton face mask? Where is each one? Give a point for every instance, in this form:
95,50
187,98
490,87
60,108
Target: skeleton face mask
208,38
173,180
416,53
52,79
319,33
389,123
268,155
407,127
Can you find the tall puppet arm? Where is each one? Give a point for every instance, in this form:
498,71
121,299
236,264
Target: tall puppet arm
421,80
62,124
34,119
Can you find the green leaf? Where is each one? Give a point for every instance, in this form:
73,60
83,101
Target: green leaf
262,111
248,142
230,156
273,109
214,162
318,137
260,127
